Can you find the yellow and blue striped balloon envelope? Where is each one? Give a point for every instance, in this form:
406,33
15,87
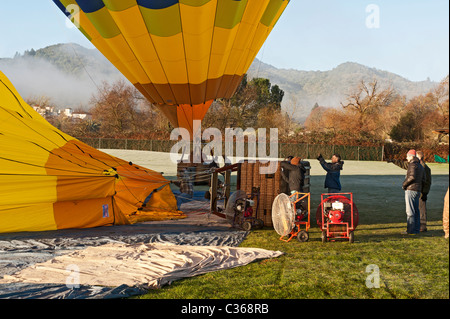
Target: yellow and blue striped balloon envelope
180,54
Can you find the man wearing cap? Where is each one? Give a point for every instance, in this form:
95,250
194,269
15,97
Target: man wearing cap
425,186
412,185
292,173
284,183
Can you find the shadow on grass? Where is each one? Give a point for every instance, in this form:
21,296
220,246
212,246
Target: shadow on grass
375,234
380,199
397,236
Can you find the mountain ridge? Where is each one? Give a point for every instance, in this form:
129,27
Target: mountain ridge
329,88
74,72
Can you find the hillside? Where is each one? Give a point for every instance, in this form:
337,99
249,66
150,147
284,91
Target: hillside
328,88
70,74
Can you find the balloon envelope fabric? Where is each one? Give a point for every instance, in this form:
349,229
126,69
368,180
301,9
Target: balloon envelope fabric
180,54
50,180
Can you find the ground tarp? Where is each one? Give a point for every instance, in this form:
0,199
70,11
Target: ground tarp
121,261
197,244
145,265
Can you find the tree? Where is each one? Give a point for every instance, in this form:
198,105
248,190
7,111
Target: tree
152,119
219,115
366,102
276,96
439,97
389,116
31,52
85,128
114,108
272,118
422,114
407,129
314,121
243,108
41,101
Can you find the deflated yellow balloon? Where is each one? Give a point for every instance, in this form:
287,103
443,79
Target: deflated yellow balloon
50,180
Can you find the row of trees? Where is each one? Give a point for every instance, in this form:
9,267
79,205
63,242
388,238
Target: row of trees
372,113
256,103
119,110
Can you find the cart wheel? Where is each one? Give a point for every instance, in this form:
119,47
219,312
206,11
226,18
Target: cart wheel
324,236
247,226
351,237
302,236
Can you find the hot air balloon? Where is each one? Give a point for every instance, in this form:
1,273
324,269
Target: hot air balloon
50,180
180,54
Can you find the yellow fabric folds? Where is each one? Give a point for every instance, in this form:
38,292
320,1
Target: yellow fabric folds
50,180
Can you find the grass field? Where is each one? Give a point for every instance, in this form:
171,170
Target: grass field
409,266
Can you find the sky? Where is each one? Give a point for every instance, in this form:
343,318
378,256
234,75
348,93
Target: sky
406,37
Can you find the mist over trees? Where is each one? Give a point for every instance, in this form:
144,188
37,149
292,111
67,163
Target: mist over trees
370,115
373,106
119,110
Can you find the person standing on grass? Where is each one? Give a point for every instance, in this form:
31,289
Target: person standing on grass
425,190
426,185
413,187
333,169
445,215
284,184
293,174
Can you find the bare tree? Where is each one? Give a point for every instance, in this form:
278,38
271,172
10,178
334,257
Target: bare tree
367,100
367,97
440,99
315,119
114,108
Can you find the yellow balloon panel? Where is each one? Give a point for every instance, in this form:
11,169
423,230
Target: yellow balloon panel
221,49
123,18
27,189
50,180
27,218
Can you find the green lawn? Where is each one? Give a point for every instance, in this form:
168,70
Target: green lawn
409,266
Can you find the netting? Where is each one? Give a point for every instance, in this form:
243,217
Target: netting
304,150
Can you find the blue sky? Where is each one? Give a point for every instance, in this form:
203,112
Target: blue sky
412,37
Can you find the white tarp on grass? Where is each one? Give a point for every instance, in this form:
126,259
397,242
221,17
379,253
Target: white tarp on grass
149,265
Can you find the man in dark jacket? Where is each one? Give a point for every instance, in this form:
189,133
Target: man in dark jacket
292,174
425,190
333,169
284,183
412,185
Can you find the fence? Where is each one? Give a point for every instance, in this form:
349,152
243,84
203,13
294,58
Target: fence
347,152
